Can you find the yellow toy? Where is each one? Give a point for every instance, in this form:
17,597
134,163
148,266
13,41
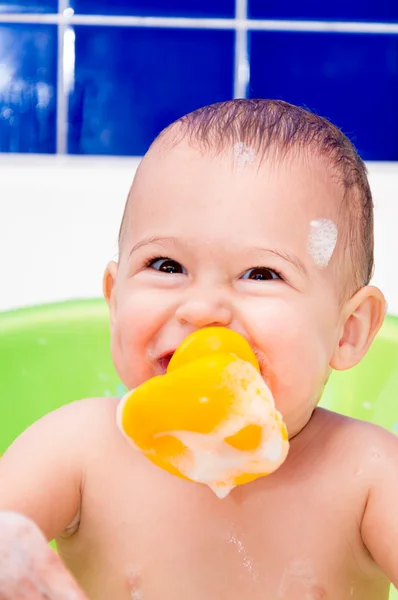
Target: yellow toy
211,418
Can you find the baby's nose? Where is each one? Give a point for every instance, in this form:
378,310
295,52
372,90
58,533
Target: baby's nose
205,310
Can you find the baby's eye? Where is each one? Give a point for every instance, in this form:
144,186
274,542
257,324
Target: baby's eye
167,265
261,274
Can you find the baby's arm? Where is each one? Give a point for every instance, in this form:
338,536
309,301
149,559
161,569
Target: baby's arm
380,521
41,473
41,477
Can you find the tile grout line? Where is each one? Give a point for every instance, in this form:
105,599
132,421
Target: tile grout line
242,65
205,23
62,100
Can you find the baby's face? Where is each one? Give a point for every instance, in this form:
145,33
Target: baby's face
210,242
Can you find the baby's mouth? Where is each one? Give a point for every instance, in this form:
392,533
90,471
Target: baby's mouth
163,362
265,367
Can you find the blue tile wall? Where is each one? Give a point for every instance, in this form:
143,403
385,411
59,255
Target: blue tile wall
28,61
125,83
164,8
342,10
130,83
351,79
29,6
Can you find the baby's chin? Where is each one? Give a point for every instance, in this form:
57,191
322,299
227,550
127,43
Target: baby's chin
296,409
296,420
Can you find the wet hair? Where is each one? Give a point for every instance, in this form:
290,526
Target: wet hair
276,129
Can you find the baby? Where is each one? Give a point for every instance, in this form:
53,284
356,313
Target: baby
253,215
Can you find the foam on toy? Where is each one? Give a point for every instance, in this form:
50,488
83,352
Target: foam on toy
211,418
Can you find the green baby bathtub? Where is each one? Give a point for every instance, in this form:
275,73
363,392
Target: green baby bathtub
57,353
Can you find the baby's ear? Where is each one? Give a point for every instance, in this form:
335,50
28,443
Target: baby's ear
108,287
363,316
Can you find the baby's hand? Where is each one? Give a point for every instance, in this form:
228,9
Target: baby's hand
29,568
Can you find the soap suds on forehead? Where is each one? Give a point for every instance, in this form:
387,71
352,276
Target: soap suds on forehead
322,240
243,155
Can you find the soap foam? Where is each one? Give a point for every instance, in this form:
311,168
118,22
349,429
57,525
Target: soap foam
322,240
211,460
243,155
214,462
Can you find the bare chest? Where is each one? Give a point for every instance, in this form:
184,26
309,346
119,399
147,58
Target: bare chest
160,538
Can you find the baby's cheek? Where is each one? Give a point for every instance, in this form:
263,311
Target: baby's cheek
297,357
139,317
301,375
128,338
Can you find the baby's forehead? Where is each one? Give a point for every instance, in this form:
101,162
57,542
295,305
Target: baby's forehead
183,176
170,157
182,180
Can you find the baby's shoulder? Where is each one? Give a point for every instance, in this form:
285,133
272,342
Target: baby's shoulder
98,408
361,431
88,417
356,439
74,427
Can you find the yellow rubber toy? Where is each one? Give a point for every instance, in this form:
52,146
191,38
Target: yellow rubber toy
211,418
